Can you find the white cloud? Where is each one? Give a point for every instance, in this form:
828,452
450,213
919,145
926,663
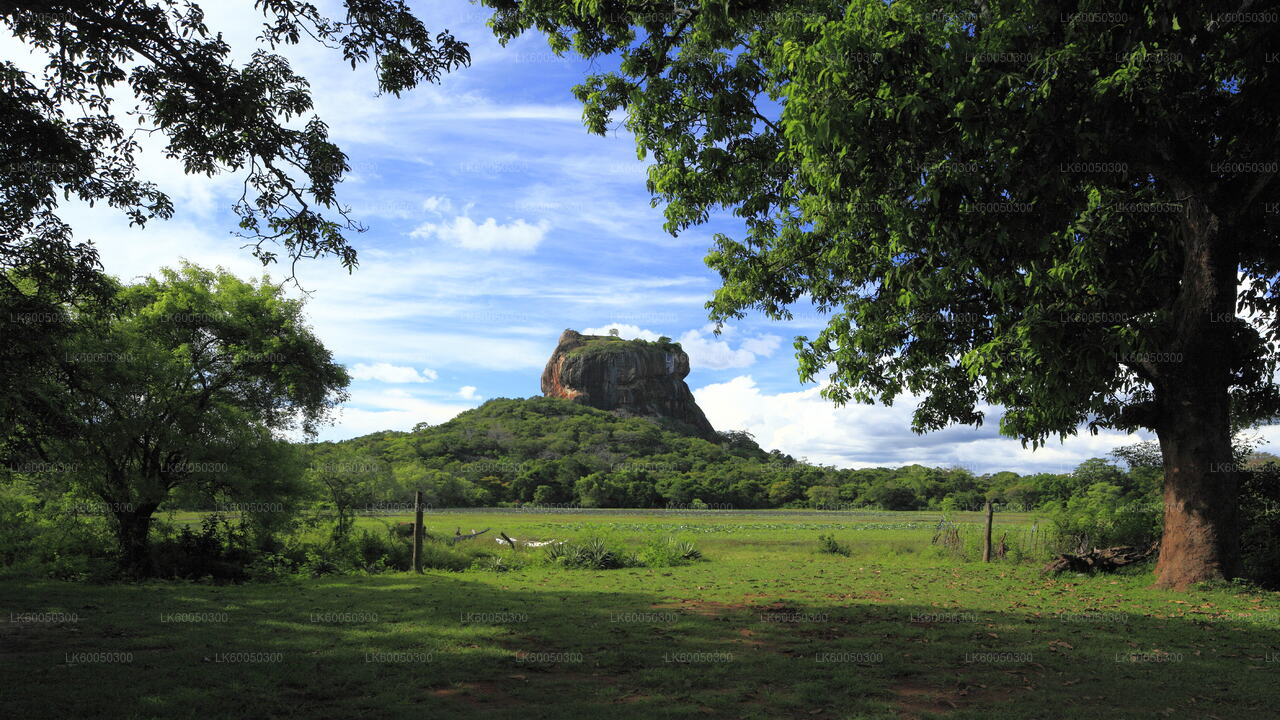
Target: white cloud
468,392
628,332
388,373
806,425
371,411
437,204
764,345
704,348
488,236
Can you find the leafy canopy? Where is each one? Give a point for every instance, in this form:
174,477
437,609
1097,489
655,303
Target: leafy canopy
990,203
61,134
191,382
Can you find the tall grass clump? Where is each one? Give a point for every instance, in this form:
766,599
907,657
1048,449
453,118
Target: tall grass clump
600,553
593,553
669,552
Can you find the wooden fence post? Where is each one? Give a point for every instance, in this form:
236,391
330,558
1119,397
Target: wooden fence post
986,539
417,531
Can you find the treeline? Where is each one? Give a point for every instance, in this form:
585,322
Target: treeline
552,452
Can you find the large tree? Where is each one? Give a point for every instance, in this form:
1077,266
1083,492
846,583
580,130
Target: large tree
1057,208
62,134
192,379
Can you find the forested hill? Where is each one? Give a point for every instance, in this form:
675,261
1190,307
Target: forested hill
551,451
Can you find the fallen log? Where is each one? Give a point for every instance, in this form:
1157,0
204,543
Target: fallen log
458,536
1106,560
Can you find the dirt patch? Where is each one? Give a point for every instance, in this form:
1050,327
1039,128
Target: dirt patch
915,700
709,608
869,596
478,694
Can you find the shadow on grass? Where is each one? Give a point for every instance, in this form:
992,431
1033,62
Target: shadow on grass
454,646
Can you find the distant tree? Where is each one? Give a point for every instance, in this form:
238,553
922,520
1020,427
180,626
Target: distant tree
823,496
995,205
544,495
893,497
350,479
188,382
784,491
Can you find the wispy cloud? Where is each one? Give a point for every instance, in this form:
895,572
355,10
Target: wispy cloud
488,236
388,373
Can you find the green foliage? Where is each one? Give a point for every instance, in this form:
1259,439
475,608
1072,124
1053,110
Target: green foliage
378,552
597,552
926,176
58,537
592,553
1100,517
668,552
982,200
182,387
214,113
220,550
603,345
828,544
1260,522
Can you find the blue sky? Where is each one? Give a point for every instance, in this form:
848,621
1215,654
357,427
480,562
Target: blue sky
495,223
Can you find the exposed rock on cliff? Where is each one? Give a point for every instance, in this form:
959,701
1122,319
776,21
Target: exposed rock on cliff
631,378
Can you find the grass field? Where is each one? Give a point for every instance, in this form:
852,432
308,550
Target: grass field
766,627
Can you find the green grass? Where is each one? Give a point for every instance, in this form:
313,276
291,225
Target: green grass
766,627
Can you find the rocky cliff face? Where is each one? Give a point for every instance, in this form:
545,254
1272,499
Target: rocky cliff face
631,378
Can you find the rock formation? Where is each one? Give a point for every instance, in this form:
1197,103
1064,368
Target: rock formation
631,378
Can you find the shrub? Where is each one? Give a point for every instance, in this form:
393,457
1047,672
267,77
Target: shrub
317,565
219,550
439,556
592,554
669,552
828,544
270,567
500,563
376,552
1102,517
1260,525
54,537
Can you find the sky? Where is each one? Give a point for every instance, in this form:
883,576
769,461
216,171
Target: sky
495,222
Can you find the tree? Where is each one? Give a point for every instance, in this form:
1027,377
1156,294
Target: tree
60,134
189,381
995,203
823,496
348,480
891,496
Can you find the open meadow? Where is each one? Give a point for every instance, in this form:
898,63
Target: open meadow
764,625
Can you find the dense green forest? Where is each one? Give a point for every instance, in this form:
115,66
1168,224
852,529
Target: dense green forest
548,451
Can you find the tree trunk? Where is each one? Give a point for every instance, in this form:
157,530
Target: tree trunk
1201,485
133,530
1201,493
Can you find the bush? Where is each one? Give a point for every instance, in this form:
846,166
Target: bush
270,567
668,552
500,563
317,565
54,537
828,544
1260,525
219,550
378,552
1102,517
592,554
438,556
